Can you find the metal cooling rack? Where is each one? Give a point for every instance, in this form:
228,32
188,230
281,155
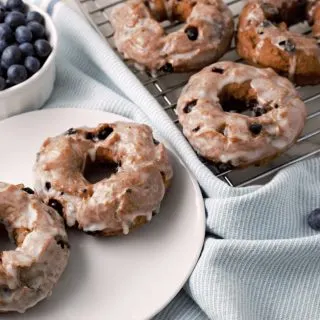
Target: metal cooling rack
167,87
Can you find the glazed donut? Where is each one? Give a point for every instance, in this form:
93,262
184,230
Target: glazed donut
114,205
28,274
203,39
209,106
263,38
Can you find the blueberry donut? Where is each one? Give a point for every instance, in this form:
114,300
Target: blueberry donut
29,273
211,111
264,39
204,38
115,204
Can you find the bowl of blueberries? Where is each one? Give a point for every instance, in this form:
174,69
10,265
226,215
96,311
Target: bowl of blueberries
28,44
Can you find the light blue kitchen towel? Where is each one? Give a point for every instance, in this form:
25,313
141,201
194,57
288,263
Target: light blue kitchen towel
267,266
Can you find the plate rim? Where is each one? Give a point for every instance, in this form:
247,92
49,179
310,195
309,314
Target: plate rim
198,195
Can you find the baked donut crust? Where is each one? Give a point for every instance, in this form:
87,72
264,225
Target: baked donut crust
261,42
227,136
28,274
116,204
204,38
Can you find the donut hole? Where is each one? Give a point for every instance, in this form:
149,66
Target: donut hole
233,104
241,98
5,243
238,97
283,18
180,10
95,171
288,14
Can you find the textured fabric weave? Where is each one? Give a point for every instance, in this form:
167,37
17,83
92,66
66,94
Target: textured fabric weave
267,266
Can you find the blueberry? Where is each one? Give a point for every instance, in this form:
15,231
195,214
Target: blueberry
255,128
11,55
42,48
258,111
255,107
3,45
26,49
226,166
63,244
34,16
167,67
196,129
314,219
189,106
192,33
71,131
17,5
9,84
23,34
36,29
15,19
55,204
103,134
22,10
155,141
28,190
5,32
217,70
2,12
32,64
17,73
2,83
288,45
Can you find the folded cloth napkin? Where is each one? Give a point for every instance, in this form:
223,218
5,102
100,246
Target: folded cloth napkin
267,263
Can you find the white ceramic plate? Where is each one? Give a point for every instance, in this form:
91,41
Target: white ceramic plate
128,277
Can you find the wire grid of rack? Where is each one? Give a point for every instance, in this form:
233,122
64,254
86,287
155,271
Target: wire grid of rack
167,87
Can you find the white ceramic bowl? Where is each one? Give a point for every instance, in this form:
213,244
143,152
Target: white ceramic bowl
35,91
